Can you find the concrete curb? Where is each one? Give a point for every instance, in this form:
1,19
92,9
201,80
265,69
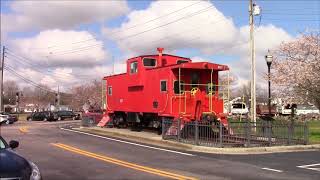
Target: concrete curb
199,149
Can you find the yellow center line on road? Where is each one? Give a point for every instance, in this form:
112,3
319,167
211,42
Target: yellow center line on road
23,129
122,163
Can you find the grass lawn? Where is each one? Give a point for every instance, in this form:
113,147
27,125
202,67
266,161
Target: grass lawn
314,132
282,131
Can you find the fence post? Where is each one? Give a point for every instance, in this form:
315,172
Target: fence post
163,128
196,135
220,134
289,133
269,132
179,130
248,132
306,133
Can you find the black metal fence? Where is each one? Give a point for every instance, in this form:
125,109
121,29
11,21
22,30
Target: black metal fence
88,121
236,134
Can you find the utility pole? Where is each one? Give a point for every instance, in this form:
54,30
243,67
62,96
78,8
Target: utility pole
1,79
253,64
58,97
113,65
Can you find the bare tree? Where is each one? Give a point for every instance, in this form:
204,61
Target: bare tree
89,93
296,69
10,88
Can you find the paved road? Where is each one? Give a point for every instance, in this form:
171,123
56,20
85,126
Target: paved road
62,154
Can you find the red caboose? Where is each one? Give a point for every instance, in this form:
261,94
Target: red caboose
158,87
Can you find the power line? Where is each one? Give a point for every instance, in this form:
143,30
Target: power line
44,73
292,20
75,50
283,13
131,27
26,61
181,33
163,25
10,69
166,24
77,42
139,24
133,35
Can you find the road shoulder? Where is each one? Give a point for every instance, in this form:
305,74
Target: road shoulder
155,140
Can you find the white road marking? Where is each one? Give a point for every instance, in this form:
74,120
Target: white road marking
275,170
126,142
311,167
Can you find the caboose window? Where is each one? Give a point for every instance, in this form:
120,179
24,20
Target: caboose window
195,77
109,90
149,62
211,88
163,86
176,87
182,61
134,67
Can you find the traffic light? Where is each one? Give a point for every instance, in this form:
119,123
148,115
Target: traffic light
57,96
17,97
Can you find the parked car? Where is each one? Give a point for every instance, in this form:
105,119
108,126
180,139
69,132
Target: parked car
11,118
263,110
239,108
61,115
307,109
3,118
41,116
14,166
8,118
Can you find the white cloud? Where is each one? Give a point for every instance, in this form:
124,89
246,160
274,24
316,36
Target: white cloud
210,32
44,61
204,29
44,50
41,15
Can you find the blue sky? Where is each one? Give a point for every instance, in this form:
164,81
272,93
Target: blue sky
293,17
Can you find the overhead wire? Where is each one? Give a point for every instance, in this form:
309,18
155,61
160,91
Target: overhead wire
131,27
133,35
174,35
290,20
57,75
166,24
139,24
82,49
27,61
12,71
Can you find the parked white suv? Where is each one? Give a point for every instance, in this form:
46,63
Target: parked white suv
4,118
239,108
306,109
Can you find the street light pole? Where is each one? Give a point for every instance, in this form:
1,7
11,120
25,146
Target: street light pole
269,59
269,89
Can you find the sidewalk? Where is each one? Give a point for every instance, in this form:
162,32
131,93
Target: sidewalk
152,138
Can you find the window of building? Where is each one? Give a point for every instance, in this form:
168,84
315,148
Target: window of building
176,87
109,90
163,85
133,67
181,61
149,62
